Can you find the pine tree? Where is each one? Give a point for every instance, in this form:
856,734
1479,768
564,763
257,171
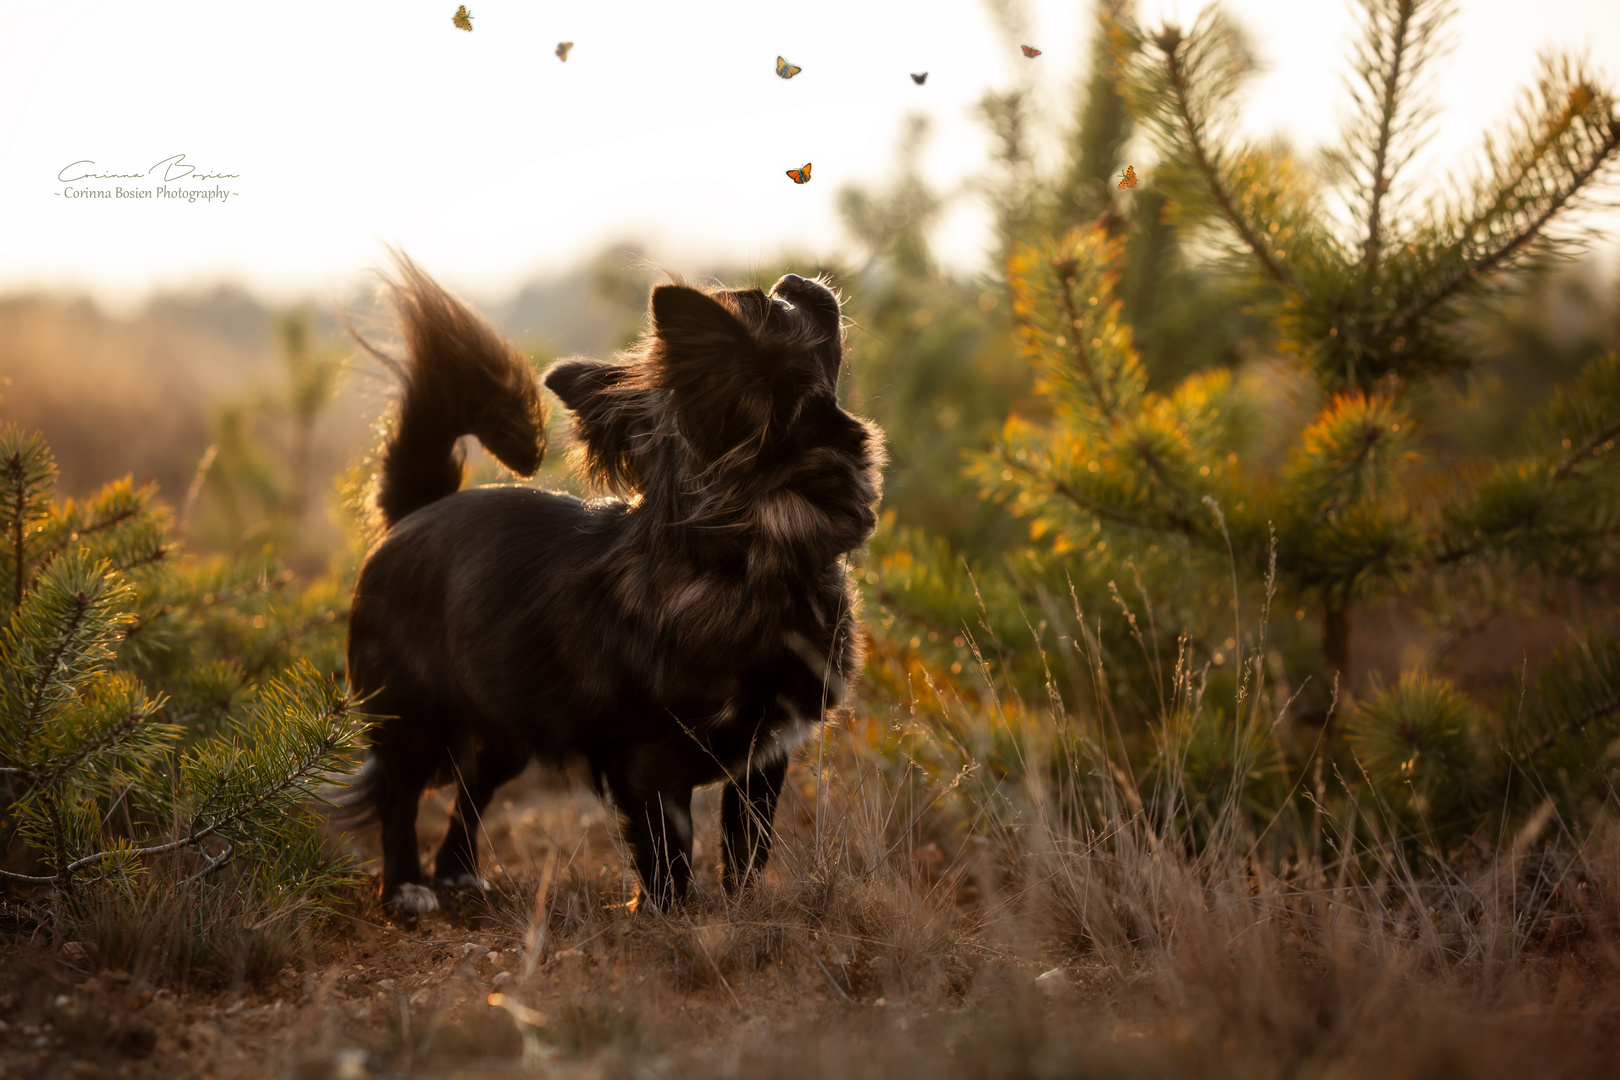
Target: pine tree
108,781
1176,512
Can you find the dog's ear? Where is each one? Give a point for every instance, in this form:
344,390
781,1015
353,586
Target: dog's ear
708,360
582,383
609,413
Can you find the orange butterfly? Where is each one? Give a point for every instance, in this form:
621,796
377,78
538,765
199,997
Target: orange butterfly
462,18
800,176
1130,178
1030,51
562,50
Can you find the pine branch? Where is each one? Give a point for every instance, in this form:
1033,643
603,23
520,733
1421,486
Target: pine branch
1191,127
36,705
1065,272
112,735
1496,257
19,518
1173,523
150,558
1373,249
299,774
1582,452
1576,688
1603,709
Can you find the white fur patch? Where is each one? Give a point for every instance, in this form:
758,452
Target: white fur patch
465,881
415,899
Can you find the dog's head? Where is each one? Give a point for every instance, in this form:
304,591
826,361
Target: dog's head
726,372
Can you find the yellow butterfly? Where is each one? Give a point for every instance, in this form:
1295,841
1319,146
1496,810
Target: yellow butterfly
562,50
785,69
462,19
800,176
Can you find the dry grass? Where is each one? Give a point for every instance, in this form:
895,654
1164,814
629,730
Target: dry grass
898,932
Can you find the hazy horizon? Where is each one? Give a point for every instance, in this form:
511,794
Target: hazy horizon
360,125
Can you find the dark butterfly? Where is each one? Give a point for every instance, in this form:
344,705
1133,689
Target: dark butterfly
785,69
462,19
562,50
1129,175
800,176
920,79
1030,51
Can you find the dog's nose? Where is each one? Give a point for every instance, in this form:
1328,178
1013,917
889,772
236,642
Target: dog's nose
788,283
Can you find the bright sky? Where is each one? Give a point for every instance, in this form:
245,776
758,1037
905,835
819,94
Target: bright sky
363,122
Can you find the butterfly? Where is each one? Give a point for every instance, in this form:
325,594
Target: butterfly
1130,177
785,69
562,50
920,79
800,176
1030,51
462,19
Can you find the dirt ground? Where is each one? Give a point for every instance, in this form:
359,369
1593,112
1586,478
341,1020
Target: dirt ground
462,991
912,974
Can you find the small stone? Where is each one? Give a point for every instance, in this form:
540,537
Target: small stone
1053,981
502,978
349,1065
385,984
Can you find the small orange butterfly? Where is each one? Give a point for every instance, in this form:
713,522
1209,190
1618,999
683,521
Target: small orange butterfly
1130,177
1030,51
800,176
785,69
462,19
562,50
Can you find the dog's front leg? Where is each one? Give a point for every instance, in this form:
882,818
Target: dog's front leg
747,808
495,762
658,825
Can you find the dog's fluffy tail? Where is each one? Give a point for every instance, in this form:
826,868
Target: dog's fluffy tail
461,377
354,804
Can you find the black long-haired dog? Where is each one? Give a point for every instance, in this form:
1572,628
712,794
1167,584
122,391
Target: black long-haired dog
692,627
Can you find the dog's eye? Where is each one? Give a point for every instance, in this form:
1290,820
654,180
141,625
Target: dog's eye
781,303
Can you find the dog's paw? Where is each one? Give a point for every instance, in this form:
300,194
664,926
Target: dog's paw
463,882
414,900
